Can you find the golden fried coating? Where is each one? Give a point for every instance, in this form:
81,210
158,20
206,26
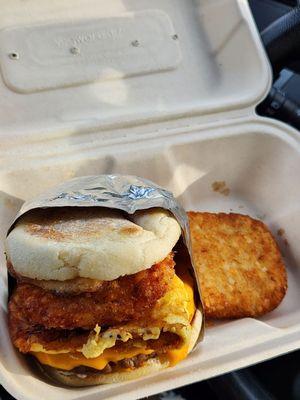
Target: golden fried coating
239,265
125,299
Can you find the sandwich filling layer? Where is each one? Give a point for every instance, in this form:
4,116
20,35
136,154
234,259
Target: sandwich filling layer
119,326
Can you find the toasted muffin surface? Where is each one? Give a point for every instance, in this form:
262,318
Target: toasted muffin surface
239,265
96,243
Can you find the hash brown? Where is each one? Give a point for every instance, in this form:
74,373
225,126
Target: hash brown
239,265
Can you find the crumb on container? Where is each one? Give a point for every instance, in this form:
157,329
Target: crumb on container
220,187
281,233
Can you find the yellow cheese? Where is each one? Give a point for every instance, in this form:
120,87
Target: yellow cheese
72,360
176,355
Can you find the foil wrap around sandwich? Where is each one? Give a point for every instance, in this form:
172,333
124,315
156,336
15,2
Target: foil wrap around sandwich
122,192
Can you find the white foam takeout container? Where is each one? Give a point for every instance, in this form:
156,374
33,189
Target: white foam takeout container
165,90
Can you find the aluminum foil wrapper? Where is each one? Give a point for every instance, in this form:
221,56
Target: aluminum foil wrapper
123,192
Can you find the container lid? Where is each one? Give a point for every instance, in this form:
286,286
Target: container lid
94,65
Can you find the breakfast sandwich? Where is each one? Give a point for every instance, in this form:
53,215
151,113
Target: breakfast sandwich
98,295
238,263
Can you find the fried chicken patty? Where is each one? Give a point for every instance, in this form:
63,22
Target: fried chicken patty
239,265
129,298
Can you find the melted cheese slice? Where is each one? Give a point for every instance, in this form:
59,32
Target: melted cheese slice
174,311
72,360
176,355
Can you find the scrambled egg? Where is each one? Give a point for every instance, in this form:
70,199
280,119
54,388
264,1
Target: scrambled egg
97,343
